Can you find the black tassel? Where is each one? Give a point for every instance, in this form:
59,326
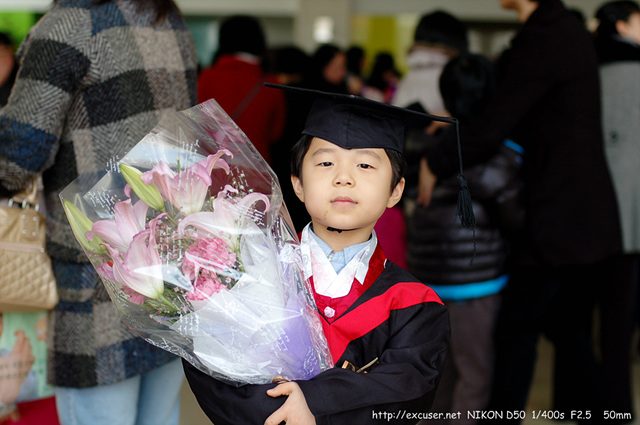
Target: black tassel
465,207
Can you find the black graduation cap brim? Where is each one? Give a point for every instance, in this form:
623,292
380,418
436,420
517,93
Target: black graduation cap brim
354,122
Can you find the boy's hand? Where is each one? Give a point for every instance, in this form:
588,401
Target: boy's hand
295,410
426,183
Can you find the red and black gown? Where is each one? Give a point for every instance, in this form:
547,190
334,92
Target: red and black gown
390,317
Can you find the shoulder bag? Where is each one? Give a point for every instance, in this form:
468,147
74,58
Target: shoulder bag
27,282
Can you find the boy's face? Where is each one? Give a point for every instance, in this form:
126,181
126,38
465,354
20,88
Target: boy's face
346,189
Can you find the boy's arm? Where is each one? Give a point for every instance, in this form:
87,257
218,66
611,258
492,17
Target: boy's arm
402,385
226,404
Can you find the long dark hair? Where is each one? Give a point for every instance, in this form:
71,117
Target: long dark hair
382,63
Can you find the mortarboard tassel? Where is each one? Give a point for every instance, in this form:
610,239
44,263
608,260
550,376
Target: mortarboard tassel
465,207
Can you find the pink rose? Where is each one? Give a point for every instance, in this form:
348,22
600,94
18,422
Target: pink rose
207,258
205,288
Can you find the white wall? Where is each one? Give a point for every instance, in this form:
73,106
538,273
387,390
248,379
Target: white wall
292,21
309,10
465,9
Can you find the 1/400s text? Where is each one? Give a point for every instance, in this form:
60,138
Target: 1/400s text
548,415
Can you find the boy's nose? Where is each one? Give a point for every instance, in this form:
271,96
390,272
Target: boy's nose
343,179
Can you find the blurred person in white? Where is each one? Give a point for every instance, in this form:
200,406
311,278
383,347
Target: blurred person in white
94,77
438,37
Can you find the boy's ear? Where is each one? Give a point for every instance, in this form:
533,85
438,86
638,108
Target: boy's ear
396,193
297,187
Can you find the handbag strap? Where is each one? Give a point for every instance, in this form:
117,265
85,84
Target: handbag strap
28,196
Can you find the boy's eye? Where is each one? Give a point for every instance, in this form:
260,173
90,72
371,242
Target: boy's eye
365,166
325,164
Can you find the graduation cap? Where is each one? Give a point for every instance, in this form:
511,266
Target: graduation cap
354,122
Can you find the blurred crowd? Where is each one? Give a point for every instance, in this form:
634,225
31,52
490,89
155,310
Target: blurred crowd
547,131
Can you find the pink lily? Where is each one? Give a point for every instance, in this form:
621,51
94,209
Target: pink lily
106,270
187,190
129,221
140,268
225,221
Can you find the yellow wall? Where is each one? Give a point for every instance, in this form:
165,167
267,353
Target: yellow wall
375,34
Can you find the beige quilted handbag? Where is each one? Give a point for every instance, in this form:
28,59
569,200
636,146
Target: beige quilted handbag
26,277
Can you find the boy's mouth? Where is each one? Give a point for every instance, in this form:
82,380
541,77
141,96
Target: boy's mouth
343,200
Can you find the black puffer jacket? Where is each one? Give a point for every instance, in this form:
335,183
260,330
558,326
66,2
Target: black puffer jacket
441,252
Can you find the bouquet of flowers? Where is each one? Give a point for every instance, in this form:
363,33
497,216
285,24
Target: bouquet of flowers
191,238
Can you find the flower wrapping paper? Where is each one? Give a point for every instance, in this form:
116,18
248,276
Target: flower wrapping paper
191,238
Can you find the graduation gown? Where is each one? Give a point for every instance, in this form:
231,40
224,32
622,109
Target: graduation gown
392,320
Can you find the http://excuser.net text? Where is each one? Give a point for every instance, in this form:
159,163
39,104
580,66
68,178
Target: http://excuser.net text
574,415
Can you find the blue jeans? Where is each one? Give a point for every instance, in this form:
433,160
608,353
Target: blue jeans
152,398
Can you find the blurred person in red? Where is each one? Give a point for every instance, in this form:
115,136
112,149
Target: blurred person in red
235,80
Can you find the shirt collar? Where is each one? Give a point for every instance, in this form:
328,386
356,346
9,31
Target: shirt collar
341,258
327,279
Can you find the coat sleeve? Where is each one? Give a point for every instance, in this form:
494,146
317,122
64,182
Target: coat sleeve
50,71
402,384
226,404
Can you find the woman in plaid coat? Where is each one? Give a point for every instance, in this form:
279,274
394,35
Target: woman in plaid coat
95,76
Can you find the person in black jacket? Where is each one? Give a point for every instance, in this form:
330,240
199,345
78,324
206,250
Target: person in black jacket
468,267
548,100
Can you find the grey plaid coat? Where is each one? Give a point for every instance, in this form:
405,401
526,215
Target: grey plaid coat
93,80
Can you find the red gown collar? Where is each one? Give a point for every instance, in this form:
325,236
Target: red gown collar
332,308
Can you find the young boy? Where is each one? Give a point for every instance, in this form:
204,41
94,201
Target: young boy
388,333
